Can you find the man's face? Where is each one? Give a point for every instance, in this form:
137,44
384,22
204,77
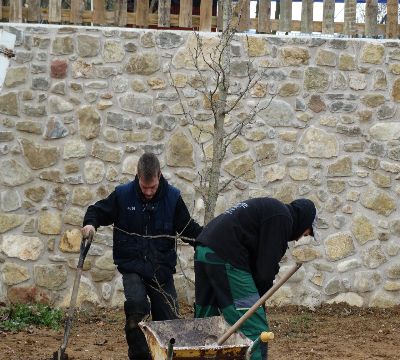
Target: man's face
149,188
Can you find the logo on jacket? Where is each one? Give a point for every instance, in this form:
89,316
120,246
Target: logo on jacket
131,208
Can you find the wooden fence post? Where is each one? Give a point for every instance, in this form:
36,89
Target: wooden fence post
264,16
328,26
306,16
34,14
121,13
371,18
244,21
54,11
15,11
285,18
185,13
349,26
98,16
142,13
392,21
205,15
164,13
76,12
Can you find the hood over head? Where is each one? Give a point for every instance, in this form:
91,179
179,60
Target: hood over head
304,213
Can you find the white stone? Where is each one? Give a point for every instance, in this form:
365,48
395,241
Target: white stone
74,149
350,298
22,247
129,165
94,171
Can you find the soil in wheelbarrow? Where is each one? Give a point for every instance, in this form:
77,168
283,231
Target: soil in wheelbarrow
330,332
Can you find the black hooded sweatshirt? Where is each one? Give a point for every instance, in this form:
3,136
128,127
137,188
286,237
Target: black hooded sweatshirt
254,234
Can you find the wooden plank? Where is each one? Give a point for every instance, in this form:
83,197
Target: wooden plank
392,20
142,13
350,18
33,10
15,11
371,18
244,21
121,13
76,12
1,9
285,17
306,16
54,11
185,13
264,16
205,15
220,17
328,17
99,16
164,13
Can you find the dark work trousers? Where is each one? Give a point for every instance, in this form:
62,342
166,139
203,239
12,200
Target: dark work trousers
223,289
142,299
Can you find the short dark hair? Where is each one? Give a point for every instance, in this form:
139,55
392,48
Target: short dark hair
148,166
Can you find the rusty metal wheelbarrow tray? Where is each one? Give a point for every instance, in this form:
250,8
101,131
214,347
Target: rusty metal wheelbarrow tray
194,339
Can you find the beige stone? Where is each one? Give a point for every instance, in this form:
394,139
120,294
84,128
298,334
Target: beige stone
342,167
35,193
71,241
325,58
373,100
339,246
289,89
179,151
242,168
256,46
82,195
373,53
274,173
49,222
305,254
14,274
266,153
363,229
51,276
379,201
238,145
347,62
89,122
179,80
10,221
202,133
39,156
106,153
295,56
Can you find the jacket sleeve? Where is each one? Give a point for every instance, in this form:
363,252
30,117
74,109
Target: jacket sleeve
274,236
183,222
102,213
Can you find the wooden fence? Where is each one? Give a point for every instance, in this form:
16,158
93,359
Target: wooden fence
163,17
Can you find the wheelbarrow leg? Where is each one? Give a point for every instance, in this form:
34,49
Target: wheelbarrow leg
170,351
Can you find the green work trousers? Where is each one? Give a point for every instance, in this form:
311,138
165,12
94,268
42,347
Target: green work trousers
223,289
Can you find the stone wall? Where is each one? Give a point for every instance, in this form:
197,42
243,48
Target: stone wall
80,105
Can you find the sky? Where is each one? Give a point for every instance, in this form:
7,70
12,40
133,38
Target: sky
296,10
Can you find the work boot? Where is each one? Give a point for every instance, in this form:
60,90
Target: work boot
137,345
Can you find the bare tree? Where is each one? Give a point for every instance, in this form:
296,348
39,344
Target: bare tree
222,96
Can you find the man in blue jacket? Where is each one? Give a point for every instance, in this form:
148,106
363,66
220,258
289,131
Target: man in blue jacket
147,213
237,258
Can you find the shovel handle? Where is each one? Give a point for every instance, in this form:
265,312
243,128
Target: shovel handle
259,302
85,245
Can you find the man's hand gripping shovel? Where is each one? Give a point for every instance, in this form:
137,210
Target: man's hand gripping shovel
85,245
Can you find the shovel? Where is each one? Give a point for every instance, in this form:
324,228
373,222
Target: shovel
85,245
259,303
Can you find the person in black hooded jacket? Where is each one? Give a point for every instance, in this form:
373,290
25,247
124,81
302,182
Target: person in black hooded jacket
146,213
238,254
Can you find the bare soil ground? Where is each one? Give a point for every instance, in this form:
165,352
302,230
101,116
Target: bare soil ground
330,332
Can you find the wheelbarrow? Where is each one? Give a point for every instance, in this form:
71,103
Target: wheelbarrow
188,339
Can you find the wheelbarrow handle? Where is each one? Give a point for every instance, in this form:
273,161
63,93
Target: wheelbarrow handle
259,303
